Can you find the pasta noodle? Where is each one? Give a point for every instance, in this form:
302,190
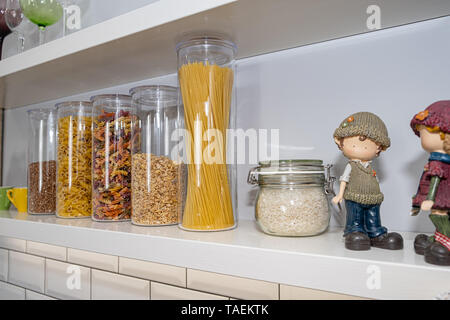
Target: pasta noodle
74,167
112,141
206,90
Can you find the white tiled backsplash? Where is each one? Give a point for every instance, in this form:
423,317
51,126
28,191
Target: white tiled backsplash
37,271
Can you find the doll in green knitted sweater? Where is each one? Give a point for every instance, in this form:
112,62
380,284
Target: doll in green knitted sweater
362,137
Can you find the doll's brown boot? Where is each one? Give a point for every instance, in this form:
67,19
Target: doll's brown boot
437,254
357,241
390,241
421,242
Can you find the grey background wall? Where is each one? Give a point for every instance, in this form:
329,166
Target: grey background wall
307,91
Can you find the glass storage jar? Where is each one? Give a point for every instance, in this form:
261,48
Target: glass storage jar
42,161
206,68
74,155
292,199
112,138
155,164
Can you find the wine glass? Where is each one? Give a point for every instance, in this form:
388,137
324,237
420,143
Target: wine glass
43,13
15,20
4,30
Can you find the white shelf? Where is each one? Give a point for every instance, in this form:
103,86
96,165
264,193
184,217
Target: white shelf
141,44
319,262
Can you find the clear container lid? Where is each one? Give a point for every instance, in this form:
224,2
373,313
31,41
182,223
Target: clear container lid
288,172
112,98
209,49
73,104
155,95
206,40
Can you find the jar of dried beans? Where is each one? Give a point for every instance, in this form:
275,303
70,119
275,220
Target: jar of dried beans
42,161
156,167
292,199
112,138
74,154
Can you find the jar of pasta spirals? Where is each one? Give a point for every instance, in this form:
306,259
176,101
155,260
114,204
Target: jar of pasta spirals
74,159
112,138
292,198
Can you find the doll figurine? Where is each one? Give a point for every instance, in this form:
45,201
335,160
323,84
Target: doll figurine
433,128
362,137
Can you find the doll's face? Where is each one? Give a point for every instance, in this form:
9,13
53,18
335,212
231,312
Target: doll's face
355,149
431,141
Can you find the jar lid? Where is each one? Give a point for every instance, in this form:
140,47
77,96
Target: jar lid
113,97
150,95
288,172
73,104
206,40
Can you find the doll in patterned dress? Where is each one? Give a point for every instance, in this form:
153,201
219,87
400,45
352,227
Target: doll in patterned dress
433,127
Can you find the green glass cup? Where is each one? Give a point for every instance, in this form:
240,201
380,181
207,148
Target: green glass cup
5,204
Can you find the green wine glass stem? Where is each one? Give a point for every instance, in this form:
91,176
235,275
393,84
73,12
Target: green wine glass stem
41,35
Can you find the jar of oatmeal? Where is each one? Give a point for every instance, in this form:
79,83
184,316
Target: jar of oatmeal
155,164
292,198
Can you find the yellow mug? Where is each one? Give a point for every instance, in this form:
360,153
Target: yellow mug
18,197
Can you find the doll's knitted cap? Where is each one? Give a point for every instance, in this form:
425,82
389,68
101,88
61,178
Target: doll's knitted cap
436,115
364,124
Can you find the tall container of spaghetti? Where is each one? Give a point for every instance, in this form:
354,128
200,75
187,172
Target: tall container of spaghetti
206,71
74,155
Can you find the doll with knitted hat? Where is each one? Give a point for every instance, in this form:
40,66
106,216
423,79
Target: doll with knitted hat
362,137
433,127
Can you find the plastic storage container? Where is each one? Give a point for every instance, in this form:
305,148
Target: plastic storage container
74,154
111,156
292,199
42,161
156,193
206,69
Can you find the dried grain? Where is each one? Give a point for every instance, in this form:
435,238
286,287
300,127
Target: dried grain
155,190
292,212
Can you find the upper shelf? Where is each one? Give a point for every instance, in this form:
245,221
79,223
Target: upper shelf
141,44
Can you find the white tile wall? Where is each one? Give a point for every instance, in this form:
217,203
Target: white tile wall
11,292
31,295
161,291
297,293
3,265
67,281
12,244
26,271
231,286
46,279
47,250
92,259
111,286
153,271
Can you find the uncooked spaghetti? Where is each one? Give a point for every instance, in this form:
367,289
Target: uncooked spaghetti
207,92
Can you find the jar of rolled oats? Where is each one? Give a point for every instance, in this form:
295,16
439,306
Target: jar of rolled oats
292,198
155,164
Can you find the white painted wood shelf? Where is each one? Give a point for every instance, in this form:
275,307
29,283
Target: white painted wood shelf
320,262
141,44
